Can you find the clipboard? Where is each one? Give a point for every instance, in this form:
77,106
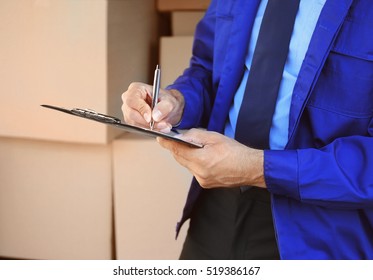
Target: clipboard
113,121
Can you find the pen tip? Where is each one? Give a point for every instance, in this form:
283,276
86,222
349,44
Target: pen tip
157,67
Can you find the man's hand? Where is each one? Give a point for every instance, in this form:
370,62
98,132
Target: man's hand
222,162
137,111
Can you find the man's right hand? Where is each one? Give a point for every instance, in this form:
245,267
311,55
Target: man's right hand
137,110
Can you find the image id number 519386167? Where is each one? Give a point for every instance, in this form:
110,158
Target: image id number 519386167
231,270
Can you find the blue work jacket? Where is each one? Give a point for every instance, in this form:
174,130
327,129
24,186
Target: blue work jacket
322,183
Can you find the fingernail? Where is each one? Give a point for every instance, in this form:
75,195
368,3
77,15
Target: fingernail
157,115
147,117
167,129
164,127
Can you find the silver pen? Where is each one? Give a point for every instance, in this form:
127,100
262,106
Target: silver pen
156,86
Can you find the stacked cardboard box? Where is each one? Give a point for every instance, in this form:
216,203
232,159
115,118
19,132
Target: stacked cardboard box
149,192
149,186
70,189
55,200
56,170
176,50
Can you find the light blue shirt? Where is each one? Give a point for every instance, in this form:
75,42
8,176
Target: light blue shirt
305,22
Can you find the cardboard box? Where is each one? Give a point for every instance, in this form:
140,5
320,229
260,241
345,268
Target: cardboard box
150,189
71,53
184,23
55,200
175,54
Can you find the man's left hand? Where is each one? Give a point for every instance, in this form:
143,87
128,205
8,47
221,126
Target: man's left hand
222,162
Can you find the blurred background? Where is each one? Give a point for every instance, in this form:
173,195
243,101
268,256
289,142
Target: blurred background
71,188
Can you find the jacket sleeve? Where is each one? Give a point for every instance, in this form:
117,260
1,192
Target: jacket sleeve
339,175
196,81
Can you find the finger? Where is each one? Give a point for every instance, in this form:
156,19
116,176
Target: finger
169,108
135,98
163,127
162,110
181,152
132,116
135,118
167,144
144,90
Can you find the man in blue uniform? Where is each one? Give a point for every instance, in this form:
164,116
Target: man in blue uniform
308,193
